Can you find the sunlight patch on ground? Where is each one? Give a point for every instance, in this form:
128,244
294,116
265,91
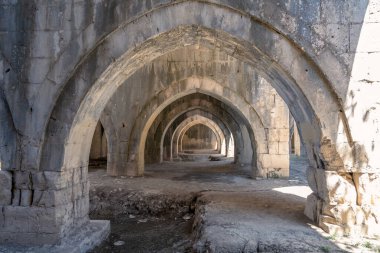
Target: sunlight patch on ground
300,191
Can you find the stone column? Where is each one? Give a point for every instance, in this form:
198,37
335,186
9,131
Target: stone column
343,202
46,206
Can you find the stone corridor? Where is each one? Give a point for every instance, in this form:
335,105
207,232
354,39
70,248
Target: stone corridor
141,84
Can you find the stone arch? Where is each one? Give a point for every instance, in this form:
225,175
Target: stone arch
181,89
209,124
220,134
277,58
230,130
277,70
64,67
176,142
276,49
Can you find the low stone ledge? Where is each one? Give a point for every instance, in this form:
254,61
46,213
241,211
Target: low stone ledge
81,240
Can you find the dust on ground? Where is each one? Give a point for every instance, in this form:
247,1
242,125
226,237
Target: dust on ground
210,207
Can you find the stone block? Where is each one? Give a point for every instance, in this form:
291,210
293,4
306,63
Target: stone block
23,180
5,188
275,173
273,147
82,239
334,188
311,178
332,229
84,173
350,219
311,208
320,177
37,196
51,198
361,181
374,186
79,175
81,207
56,180
280,117
28,239
39,181
283,148
16,197
367,187
86,188
360,216
327,209
278,134
80,190
26,198
30,219
275,161
347,214
373,222
262,148
65,212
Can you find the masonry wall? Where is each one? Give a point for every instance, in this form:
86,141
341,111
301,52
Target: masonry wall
202,63
199,137
52,52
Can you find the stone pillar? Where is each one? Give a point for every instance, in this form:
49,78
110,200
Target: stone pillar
46,206
275,163
343,202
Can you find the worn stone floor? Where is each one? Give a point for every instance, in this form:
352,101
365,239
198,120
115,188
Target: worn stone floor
231,211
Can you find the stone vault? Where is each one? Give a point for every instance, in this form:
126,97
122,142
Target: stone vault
238,67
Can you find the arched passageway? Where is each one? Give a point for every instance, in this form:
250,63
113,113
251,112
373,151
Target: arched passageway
187,109
238,51
228,125
190,137
278,74
99,144
201,137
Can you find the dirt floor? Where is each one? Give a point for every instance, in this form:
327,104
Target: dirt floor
210,207
148,234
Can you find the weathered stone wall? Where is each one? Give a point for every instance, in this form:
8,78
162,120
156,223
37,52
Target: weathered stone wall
38,37
165,73
200,137
61,62
198,133
160,136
